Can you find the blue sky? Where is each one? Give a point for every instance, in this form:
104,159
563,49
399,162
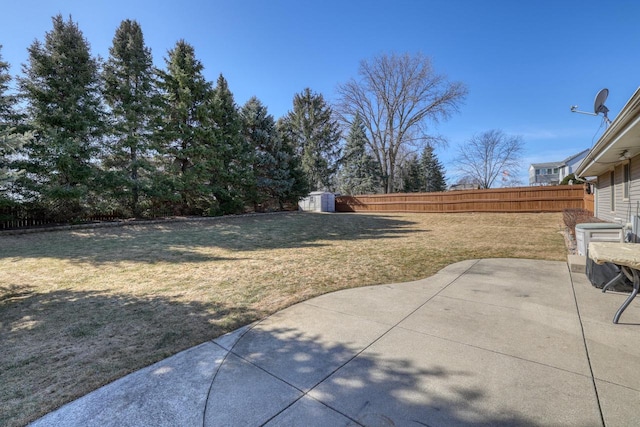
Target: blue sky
524,62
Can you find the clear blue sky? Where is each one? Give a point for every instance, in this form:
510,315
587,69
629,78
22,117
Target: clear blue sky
524,62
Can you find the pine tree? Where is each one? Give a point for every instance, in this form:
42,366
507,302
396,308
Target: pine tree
7,101
274,162
185,137
131,94
232,178
61,87
413,176
259,131
357,174
300,187
10,140
314,134
433,171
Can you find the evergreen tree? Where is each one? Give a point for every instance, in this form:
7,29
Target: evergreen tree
424,174
314,134
300,187
413,176
358,169
259,130
433,171
131,94
10,140
275,167
8,102
61,87
232,178
184,137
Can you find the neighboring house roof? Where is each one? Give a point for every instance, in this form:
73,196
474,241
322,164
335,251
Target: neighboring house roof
618,142
575,157
565,162
546,165
466,186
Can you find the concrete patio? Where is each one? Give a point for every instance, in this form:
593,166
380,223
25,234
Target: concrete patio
483,342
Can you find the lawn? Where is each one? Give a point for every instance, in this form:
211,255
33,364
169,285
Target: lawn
81,308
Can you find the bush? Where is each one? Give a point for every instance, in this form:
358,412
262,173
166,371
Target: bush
572,177
575,216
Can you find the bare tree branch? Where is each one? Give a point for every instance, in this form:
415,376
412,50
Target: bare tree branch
487,155
396,96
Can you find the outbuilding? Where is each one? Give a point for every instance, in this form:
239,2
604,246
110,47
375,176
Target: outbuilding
318,201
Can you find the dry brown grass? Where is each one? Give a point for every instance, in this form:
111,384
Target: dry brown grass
79,309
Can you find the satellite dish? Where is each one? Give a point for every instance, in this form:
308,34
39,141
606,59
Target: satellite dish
598,105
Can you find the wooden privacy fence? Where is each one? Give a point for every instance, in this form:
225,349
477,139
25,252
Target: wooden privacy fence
521,199
589,202
20,217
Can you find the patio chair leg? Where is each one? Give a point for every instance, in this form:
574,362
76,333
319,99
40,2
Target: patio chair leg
612,281
625,304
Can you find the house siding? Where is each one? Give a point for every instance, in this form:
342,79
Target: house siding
603,199
624,208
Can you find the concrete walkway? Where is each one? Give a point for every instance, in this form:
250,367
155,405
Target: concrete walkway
483,342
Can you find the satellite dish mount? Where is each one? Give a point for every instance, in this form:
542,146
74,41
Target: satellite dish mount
598,106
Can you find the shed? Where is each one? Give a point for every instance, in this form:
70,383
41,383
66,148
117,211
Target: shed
318,201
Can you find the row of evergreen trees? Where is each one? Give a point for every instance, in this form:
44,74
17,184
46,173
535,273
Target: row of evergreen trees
81,136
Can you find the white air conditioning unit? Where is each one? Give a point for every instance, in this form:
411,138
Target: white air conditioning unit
597,232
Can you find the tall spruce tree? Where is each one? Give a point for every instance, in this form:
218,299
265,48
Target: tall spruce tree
62,91
10,140
184,138
423,174
8,115
413,176
276,169
434,178
300,185
232,178
357,174
259,131
131,94
313,132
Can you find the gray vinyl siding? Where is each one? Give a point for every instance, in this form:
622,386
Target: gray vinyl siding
624,208
603,199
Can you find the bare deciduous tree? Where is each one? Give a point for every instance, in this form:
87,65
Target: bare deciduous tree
396,96
488,155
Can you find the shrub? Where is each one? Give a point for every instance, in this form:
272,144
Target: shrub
575,216
572,177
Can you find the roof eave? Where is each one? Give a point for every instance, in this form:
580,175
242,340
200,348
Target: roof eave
629,116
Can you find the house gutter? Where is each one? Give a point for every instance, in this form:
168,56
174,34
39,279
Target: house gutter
619,127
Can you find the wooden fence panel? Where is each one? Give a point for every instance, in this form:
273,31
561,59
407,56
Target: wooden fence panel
521,199
16,217
589,202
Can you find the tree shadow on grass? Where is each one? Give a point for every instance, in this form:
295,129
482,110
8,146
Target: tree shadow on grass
284,368
58,346
193,241
284,376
